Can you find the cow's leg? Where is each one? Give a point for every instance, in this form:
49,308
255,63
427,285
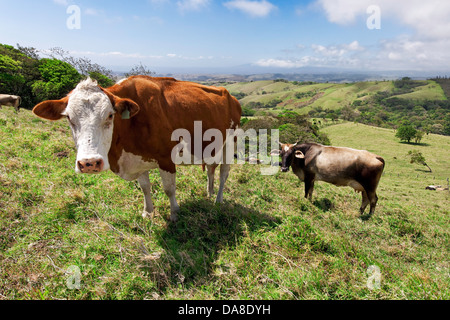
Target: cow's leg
211,169
169,184
146,187
365,201
224,172
309,186
373,201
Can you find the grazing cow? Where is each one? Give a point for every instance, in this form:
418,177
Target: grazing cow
128,128
10,100
312,162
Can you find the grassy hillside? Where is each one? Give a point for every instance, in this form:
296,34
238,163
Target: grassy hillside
429,91
326,95
264,242
409,179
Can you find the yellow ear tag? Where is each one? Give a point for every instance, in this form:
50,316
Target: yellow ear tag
126,114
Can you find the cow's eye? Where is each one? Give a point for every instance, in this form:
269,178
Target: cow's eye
110,117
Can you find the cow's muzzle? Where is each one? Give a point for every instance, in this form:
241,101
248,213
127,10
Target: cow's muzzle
284,169
90,165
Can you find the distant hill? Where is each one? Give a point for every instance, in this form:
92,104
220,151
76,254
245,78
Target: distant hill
381,103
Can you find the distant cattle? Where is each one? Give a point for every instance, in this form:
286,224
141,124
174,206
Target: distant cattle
250,159
312,162
10,100
128,128
436,188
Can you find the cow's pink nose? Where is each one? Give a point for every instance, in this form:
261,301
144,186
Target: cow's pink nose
90,165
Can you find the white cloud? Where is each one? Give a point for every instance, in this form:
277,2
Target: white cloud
336,50
258,9
343,55
117,54
430,19
91,12
354,46
424,47
192,5
181,57
61,2
343,11
285,63
158,2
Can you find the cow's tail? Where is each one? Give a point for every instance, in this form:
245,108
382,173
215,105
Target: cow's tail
382,161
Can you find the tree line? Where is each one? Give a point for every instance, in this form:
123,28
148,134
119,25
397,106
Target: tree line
25,73
292,127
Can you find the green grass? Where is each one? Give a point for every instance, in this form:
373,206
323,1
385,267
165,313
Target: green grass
430,91
264,242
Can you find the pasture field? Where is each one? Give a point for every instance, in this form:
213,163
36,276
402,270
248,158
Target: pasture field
265,242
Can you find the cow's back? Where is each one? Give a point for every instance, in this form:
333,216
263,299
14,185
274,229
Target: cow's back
341,166
180,103
215,107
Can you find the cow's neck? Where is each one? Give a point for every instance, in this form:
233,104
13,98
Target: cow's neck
128,135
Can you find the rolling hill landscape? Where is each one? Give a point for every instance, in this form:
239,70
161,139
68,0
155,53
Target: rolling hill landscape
386,104
303,97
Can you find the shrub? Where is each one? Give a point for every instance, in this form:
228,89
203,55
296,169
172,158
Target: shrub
406,133
59,78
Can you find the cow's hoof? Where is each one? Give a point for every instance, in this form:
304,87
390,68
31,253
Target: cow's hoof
147,215
365,217
173,217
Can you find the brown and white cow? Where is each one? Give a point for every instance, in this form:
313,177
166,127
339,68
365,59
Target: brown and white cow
10,100
128,128
312,162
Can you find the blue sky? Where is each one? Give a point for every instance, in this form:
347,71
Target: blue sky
224,34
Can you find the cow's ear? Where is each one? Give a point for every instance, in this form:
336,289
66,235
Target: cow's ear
51,109
126,108
299,154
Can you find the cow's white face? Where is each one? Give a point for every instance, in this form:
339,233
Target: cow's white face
90,111
90,114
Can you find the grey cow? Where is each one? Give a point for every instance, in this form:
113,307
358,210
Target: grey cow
10,100
312,162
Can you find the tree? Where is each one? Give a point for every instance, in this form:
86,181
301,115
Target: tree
17,72
139,70
102,80
418,137
84,65
447,125
58,79
406,133
30,52
417,157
